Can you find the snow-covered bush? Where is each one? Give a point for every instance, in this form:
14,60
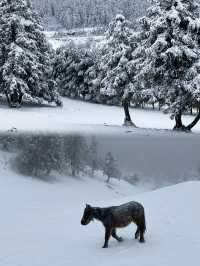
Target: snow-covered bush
25,67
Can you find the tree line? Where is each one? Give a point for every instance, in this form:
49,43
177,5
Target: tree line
43,155
159,64
88,13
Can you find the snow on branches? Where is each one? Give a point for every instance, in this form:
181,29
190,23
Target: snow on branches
169,62
25,65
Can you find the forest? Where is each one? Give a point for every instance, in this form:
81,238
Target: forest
89,13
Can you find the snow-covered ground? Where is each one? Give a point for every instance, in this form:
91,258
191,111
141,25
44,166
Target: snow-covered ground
40,223
84,117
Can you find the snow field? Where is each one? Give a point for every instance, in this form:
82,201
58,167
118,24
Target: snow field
84,117
40,223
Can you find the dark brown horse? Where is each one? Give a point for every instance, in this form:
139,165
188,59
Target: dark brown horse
117,217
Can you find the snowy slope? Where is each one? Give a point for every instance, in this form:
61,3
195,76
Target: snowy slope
40,224
82,116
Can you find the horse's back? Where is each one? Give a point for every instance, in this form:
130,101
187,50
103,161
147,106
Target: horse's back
131,205
128,210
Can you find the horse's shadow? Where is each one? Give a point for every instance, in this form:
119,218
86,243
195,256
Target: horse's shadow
126,244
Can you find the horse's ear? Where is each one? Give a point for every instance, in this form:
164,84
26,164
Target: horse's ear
88,206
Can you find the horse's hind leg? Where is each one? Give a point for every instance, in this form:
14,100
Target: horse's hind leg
142,229
137,232
142,235
114,235
140,232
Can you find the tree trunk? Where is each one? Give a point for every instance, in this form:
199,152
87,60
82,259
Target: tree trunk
48,171
159,106
8,99
179,125
108,179
194,122
73,172
178,119
127,119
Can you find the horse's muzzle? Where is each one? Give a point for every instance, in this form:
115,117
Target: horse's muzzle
83,223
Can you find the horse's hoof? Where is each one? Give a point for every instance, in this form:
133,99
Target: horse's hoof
120,239
142,241
105,246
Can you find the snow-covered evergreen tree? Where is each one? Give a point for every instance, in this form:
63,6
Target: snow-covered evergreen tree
116,52
38,155
110,167
92,156
70,67
93,76
167,61
117,83
75,147
25,67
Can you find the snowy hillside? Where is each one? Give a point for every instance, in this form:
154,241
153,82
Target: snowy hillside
40,223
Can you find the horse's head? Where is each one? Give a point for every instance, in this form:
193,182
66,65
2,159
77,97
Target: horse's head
87,215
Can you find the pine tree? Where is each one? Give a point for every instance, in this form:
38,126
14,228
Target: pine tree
115,54
168,58
39,155
25,67
70,67
92,156
117,83
75,148
93,77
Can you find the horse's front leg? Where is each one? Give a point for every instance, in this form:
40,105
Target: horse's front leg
107,236
114,235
